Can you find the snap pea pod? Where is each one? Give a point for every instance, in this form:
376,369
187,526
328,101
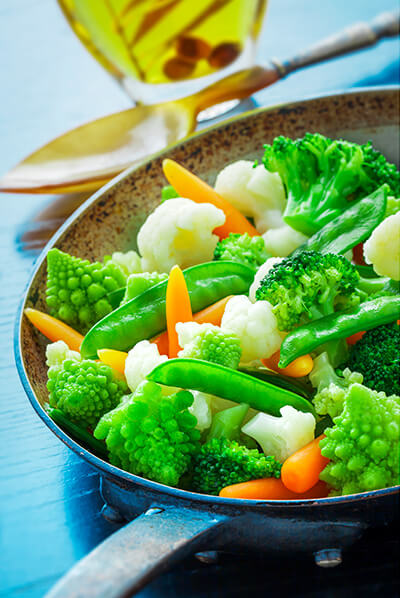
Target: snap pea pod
144,316
292,384
78,433
351,227
218,380
370,314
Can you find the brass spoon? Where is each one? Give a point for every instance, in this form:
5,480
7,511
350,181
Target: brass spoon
87,157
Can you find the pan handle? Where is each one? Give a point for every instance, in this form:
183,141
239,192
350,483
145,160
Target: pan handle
131,557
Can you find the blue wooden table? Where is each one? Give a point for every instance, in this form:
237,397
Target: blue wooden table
50,505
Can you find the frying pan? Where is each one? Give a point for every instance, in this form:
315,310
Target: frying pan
166,524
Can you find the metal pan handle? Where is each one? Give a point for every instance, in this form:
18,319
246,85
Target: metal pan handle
131,557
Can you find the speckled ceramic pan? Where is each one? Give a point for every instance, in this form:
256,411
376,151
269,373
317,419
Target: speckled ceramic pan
174,522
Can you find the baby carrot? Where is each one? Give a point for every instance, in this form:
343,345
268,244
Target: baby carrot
298,368
300,471
271,489
191,186
54,329
113,358
351,340
177,307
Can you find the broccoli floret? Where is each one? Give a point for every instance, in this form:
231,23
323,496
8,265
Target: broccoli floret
222,462
84,390
209,343
320,176
331,387
243,249
150,434
377,357
77,289
363,444
139,283
309,286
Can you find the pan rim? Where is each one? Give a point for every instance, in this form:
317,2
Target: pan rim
106,468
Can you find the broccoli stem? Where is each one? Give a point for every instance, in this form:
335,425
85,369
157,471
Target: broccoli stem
227,423
371,286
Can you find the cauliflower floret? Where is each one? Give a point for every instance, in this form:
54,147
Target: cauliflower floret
283,240
382,249
256,192
255,325
281,436
179,231
141,360
129,262
260,274
58,352
201,409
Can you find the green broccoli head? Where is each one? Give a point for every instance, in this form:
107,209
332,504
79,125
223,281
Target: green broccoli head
209,343
140,282
376,171
244,249
363,444
377,356
77,289
221,462
84,390
150,434
308,286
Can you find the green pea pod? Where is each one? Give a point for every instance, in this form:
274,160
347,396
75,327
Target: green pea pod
78,433
218,380
369,314
351,227
144,316
292,384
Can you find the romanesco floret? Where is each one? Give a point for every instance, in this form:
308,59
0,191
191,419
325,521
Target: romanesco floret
179,231
255,325
140,361
309,286
129,262
382,249
363,444
377,357
150,434
77,289
84,390
209,343
331,388
254,191
139,283
58,352
221,462
244,249
281,436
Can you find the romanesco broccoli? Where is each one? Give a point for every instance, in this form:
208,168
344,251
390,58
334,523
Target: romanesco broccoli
77,289
243,249
377,357
150,434
221,462
129,262
363,444
209,343
139,283
84,390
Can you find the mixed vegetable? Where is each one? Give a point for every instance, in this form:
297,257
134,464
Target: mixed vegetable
251,349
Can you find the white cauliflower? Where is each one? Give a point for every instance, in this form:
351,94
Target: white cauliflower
201,409
382,249
141,360
281,436
129,262
255,192
260,274
283,240
179,231
255,325
58,352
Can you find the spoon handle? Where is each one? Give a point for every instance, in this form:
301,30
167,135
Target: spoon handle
359,35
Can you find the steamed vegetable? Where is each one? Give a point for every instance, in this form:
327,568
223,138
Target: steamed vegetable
177,308
140,361
128,262
150,434
299,368
209,343
140,282
382,249
54,329
243,249
301,470
271,489
58,352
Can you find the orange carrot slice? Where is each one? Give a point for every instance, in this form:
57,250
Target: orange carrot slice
113,358
300,471
54,329
271,489
191,186
177,306
300,367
